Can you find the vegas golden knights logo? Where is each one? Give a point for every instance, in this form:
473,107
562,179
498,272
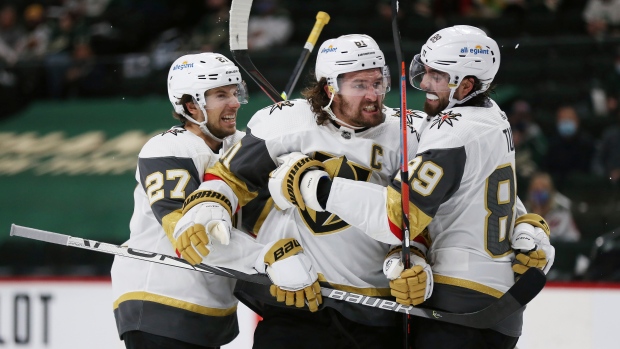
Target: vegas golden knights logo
326,222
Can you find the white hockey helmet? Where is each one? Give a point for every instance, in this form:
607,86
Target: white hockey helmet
459,51
349,53
195,74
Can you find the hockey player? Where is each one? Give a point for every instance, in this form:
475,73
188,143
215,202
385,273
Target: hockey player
157,306
462,196
340,129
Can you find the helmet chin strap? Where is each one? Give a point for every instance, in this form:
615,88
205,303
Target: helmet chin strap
203,125
332,116
453,101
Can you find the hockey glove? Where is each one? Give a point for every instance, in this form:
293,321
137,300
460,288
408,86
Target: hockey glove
200,225
284,181
412,286
295,281
310,191
530,240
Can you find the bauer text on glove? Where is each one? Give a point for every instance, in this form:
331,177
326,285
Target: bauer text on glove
295,281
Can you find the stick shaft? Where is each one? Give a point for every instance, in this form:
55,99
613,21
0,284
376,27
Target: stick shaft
528,286
238,31
404,170
322,18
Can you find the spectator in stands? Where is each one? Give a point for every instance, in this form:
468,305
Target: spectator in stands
10,34
608,155
270,25
530,142
30,50
376,27
211,33
33,46
65,32
85,77
570,149
544,200
602,17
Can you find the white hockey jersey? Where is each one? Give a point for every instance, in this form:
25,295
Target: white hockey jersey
463,178
343,256
462,188
182,304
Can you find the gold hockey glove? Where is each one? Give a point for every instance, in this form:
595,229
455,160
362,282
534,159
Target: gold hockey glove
295,282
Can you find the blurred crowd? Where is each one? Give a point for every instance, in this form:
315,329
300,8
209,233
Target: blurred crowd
81,48
67,48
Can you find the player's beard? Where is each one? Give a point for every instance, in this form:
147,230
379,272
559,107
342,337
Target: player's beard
434,108
217,129
354,116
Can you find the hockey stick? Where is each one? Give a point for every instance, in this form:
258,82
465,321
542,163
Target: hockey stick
523,291
322,18
404,162
238,31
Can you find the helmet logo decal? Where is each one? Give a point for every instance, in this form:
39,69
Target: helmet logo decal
329,49
222,59
435,38
477,50
360,44
183,65
445,118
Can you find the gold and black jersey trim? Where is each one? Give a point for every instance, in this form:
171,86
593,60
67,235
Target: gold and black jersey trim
239,187
418,220
448,280
173,302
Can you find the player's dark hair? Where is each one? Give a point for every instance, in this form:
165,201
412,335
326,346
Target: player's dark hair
317,98
481,99
183,100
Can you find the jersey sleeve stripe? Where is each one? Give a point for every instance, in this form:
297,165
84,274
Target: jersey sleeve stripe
240,189
418,220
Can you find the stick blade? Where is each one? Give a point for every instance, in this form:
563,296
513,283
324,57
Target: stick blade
41,235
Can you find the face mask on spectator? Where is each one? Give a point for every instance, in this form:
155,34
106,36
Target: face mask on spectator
540,197
567,128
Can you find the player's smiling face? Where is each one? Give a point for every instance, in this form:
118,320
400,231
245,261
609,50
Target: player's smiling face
359,101
222,105
435,84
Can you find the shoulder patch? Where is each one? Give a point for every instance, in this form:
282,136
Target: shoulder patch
446,118
174,131
411,114
280,105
